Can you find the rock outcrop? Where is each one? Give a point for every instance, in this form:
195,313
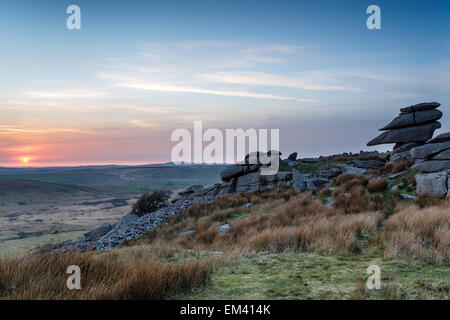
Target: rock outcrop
411,128
434,155
435,184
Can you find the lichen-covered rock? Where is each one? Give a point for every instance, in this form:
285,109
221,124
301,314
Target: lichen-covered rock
429,149
432,165
432,184
409,134
420,107
440,138
413,119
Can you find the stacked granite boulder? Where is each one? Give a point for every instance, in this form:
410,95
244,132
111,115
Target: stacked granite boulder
434,155
433,158
245,176
412,128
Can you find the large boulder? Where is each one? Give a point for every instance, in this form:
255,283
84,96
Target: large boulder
444,155
249,182
231,172
299,180
432,184
350,169
429,149
413,119
403,147
408,134
440,138
293,156
432,165
420,107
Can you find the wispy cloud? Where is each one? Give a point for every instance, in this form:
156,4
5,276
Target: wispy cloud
67,94
305,81
138,84
143,123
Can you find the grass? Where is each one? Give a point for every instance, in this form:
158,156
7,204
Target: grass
300,275
286,245
418,233
313,167
125,274
19,247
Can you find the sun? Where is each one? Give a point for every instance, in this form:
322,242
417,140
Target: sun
25,160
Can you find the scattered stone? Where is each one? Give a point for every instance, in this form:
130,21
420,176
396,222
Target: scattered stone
128,218
396,175
351,170
224,228
293,156
329,202
407,196
187,233
396,187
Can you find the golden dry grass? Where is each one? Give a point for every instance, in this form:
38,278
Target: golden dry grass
299,223
103,276
377,185
418,233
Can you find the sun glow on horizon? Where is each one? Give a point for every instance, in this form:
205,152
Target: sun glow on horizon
25,160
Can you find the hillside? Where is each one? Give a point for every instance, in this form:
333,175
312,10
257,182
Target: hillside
272,244
28,192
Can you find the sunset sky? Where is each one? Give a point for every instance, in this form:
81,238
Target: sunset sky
114,91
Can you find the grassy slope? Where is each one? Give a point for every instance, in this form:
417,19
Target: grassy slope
300,275
289,271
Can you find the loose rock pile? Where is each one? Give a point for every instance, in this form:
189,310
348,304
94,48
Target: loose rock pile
413,127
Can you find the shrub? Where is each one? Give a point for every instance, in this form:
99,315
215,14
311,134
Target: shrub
427,201
150,202
377,185
349,181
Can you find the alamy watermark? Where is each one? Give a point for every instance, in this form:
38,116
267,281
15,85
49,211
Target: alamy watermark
74,280
73,22
374,20
374,280
228,148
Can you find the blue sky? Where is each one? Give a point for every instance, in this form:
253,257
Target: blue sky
113,91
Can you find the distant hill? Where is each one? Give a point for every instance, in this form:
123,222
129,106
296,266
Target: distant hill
26,192
120,180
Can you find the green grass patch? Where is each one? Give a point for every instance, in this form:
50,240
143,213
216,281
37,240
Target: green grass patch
313,167
312,276
18,247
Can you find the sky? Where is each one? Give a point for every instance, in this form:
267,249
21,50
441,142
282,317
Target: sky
114,91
